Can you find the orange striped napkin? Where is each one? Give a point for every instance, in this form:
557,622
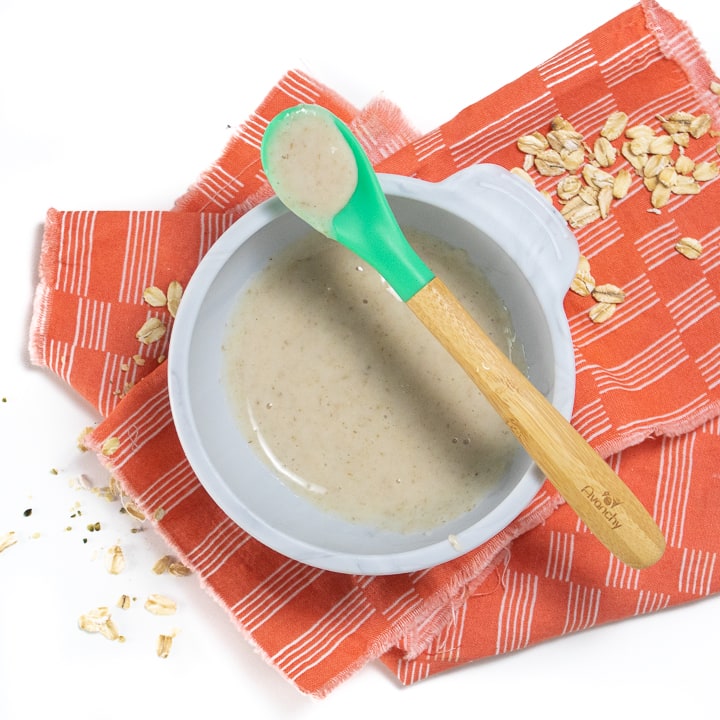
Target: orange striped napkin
648,380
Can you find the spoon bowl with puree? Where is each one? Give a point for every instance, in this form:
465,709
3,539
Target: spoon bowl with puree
321,173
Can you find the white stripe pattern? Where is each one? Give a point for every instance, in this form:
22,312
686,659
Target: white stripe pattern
658,246
583,606
631,60
620,575
141,427
673,487
643,369
649,601
300,88
75,252
429,144
560,556
598,237
693,304
502,133
709,364
91,324
217,548
141,247
592,420
696,572
60,359
517,608
275,591
575,59
591,118
171,488
410,672
324,636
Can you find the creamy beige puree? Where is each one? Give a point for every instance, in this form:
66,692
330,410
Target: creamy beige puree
313,168
344,393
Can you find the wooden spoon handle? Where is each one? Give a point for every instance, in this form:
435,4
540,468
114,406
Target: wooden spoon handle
588,484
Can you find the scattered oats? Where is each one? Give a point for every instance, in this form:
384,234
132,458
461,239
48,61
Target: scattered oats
160,605
685,186
668,176
565,139
139,360
715,87
704,171
604,152
589,194
660,196
151,331
560,123
549,163
114,488
602,312
637,161
523,174
614,125
568,187
110,446
154,296
641,145
452,539
583,283
124,367
178,569
174,295
164,644
159,514
684,165
662,145
162,564
124,602
115,560
595,177
639,131
160,359
621,184
578,213
689,247
132,509
608,293
655,165
681,139
81,482
81,438
100,621
700,125
528,162
572,159
604,199
532,144
7,540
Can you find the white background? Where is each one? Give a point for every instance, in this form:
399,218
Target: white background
121,105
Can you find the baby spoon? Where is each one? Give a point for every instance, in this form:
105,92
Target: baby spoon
321,173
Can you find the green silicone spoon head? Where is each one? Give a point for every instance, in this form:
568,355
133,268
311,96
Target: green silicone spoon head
320,171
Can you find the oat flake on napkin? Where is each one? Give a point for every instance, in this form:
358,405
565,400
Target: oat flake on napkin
648,380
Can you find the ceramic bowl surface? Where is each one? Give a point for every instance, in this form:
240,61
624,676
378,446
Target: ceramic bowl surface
527,252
